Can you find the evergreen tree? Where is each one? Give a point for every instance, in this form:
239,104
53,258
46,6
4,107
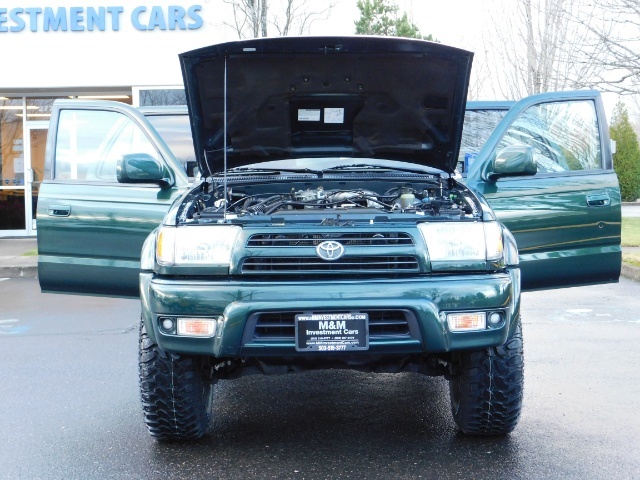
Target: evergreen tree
626,160
380,17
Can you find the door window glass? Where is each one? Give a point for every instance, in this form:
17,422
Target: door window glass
175,130
91,142
478,126
564,136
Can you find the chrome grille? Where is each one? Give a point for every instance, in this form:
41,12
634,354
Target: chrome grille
346,264
362,239
281,325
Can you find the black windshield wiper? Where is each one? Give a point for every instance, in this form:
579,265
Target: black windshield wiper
366,167
273,171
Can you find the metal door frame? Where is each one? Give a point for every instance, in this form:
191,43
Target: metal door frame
31,227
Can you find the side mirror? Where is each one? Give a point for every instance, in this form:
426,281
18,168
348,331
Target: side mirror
141,168
514,161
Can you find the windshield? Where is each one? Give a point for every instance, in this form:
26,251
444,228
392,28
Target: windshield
175,130
478,126
343,162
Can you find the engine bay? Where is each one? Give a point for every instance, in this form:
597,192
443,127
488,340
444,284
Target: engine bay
244,199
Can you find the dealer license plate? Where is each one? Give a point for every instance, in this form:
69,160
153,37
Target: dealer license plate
332,332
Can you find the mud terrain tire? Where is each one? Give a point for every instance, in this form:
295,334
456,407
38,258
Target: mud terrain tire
175,392
487,387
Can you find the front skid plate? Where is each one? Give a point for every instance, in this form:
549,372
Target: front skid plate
430,365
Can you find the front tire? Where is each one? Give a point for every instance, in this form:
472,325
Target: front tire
176,392
487,387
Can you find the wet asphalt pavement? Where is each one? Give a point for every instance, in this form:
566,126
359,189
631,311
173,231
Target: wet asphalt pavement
69,405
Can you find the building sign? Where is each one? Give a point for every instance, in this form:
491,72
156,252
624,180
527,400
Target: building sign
107,18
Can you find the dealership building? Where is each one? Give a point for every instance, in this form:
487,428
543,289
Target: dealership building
125,51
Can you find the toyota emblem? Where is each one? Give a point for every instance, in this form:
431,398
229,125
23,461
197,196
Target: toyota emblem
330,250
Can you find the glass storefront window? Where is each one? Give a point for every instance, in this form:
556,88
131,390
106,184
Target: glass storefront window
38,143
40,108
12,212
12,209
162,97
23,138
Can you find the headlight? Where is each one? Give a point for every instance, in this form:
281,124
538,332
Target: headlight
454,241
493,239
196,245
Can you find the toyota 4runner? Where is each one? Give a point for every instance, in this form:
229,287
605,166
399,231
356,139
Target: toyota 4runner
328,226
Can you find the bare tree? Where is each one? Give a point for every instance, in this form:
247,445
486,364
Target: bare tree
543,45
249,18
253,18
481,77
618,31
301,14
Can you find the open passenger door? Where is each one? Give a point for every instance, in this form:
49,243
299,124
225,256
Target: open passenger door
110,179
547,172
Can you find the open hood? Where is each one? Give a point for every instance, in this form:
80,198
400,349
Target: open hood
294,97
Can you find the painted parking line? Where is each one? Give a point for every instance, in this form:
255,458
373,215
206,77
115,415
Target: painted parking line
587,314
11,326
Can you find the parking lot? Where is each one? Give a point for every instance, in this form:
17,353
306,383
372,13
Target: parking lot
70,406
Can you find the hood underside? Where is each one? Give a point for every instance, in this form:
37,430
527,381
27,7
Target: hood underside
306,97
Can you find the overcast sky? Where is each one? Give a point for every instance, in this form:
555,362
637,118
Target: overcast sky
453,22
31,59
134,57
459,23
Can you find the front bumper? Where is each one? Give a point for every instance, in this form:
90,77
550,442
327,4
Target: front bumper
421,299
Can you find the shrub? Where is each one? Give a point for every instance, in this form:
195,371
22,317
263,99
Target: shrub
626,160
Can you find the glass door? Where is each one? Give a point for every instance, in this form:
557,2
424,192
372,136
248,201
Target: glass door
12,195
35,145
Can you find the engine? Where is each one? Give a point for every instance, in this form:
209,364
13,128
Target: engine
432,199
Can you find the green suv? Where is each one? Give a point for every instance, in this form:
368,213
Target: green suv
334,221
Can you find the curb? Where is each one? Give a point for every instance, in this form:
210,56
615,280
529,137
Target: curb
19,272
631,272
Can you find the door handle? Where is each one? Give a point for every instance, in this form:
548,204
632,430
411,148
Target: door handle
598,200
59,210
